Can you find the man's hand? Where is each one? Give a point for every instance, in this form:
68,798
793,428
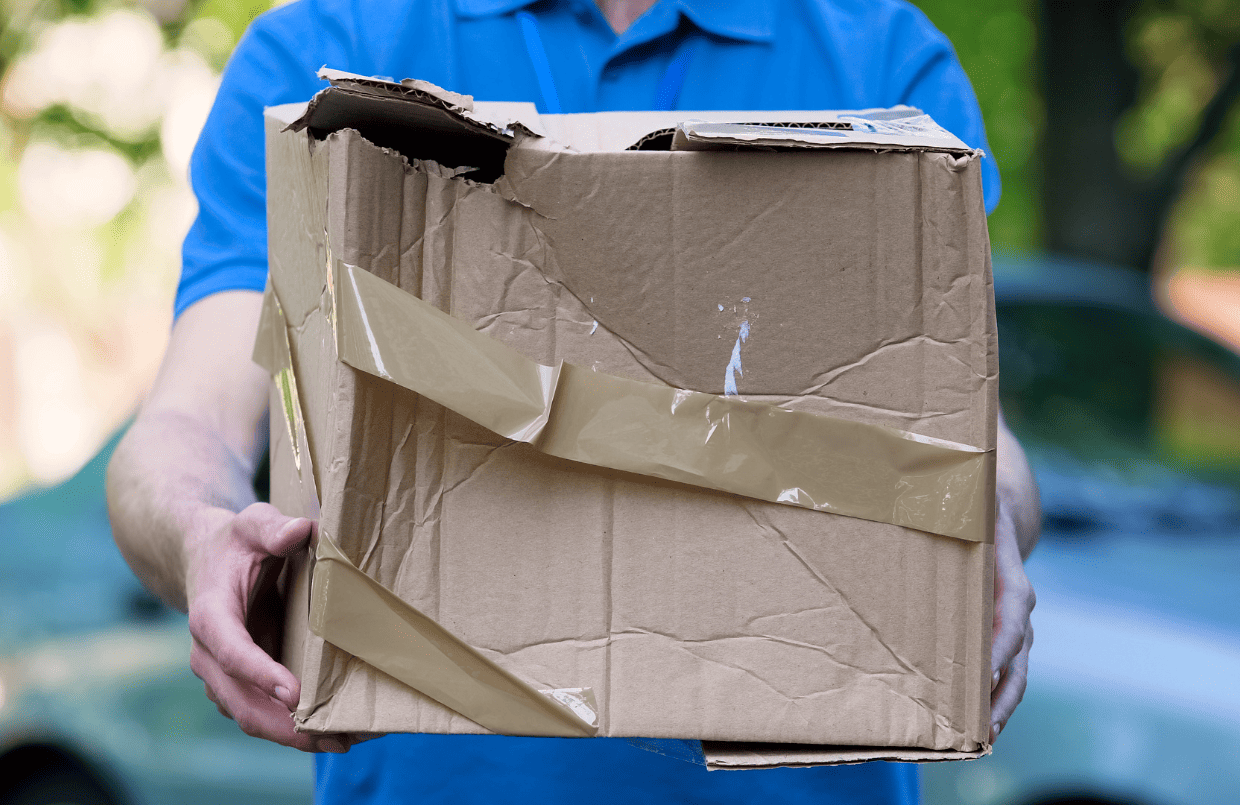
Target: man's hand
1017,525
223,569
181,499
1013,632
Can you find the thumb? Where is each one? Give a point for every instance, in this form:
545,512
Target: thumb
290,536
273,532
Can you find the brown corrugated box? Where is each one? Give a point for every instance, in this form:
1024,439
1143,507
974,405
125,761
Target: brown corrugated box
822,262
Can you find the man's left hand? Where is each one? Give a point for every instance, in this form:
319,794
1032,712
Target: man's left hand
1013,631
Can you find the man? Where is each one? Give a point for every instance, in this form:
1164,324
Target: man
180,485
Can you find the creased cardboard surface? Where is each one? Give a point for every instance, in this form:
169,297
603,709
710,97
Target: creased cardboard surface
860,282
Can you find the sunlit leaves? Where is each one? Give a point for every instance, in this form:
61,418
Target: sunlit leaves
1180,48
997,45
100,105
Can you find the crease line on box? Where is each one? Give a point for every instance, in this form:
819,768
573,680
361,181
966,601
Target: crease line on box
752,449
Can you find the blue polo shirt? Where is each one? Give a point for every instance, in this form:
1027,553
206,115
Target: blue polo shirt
562,55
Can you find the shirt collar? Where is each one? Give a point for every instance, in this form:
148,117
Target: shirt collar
751,20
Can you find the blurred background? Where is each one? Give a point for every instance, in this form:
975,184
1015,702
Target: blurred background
1116,127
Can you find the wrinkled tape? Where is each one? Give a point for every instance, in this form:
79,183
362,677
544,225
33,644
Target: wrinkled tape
752,449
355,613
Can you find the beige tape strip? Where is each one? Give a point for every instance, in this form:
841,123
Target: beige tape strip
354,612
752,449
272,352
357,614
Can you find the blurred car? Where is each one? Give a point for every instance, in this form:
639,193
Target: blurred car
97,702
1132,425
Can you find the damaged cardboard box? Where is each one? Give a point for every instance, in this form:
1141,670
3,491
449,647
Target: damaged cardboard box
660,425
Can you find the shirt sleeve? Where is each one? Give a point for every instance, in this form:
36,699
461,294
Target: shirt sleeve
274,63
923,71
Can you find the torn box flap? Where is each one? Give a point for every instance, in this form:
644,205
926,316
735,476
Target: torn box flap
410,86
901,127
503,116
611,132
418,119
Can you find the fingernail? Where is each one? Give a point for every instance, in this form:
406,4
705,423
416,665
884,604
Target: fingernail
994,680
995,728
333,745
282,694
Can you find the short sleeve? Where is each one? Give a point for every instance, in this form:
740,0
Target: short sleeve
226,247
923,71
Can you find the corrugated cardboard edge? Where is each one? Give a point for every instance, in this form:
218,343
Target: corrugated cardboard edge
724,756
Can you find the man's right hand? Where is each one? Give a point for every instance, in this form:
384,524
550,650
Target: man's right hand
183,510
223,565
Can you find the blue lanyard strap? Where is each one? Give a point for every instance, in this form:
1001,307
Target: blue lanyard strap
665,98
674,79
542,65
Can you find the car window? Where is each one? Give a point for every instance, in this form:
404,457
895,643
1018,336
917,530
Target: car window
1130,419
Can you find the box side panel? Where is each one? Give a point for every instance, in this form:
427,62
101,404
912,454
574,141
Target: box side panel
286,495
778,624
423,500
760,620
370,477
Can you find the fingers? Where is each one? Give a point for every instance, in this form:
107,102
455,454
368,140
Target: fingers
217,626
1014,602
256,714
218,607
1011,688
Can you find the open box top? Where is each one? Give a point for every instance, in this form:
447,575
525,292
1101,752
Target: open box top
424,121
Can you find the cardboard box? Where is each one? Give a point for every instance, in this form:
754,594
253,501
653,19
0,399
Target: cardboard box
835,264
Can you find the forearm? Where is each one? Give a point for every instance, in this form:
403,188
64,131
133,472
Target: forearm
1018,491
172,476
187,463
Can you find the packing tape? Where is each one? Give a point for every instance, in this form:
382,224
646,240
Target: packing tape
272,352
358,615
752,449
355,613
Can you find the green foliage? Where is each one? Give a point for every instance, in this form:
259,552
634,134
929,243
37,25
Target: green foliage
69,127
1180,49
210,28
997,45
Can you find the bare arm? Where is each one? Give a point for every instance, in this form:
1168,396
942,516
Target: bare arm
184,514
1019,522
189,459
1019,491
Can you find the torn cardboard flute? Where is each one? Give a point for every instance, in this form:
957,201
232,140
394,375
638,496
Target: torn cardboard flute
851,282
